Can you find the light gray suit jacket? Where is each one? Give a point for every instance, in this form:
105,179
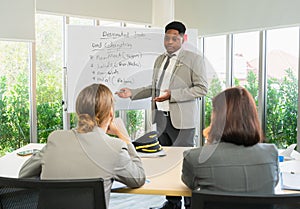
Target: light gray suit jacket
232,168
188,82
69,155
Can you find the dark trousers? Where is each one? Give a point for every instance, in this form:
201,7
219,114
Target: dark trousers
170,136
176,199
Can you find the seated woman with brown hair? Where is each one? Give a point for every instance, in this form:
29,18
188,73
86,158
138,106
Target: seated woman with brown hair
88,151
234,159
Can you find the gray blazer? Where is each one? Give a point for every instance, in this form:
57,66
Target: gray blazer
233,168
187,83
69,155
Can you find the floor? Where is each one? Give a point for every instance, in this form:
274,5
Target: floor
129,201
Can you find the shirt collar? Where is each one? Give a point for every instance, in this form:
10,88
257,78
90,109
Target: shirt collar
176,53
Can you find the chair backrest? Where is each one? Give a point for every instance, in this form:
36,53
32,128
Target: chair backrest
217,200
51,194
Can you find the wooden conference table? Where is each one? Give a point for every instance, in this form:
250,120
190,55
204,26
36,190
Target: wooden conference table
163,173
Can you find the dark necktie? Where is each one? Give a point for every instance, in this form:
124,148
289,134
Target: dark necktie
169,56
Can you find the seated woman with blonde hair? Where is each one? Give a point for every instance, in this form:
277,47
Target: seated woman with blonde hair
234,159
88,151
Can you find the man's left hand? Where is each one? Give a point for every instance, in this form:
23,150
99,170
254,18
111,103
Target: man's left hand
163,97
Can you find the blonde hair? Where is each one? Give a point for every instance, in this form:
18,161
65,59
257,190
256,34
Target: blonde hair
93,106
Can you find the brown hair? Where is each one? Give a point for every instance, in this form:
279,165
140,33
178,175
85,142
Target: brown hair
93,106
234,118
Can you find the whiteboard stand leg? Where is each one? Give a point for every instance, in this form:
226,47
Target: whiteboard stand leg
66,115
148,120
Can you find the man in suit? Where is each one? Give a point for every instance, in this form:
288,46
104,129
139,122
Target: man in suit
179,78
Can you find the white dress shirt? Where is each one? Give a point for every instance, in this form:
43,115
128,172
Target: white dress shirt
164,106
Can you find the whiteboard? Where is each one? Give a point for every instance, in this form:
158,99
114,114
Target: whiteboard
116,57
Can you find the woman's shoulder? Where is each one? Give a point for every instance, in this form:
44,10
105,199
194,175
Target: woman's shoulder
191,153
267,147
115,141
107,140
257,148
60,134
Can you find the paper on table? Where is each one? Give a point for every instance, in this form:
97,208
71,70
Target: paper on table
288,152
118,185
160,153
290,180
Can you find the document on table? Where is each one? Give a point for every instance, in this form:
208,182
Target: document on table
290,180
160,153
118,185
288,152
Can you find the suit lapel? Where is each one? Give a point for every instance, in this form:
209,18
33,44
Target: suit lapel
178,63
157,67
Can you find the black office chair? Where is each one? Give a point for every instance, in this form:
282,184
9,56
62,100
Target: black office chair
217,200
51,194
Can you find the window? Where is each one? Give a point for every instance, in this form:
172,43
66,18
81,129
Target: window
110,23
15,77
49,64
245,61
282,57
14,95
282,85
81,21
215,57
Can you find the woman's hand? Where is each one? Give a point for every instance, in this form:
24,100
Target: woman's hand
113,129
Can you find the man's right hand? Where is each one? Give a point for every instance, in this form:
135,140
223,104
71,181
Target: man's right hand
124,93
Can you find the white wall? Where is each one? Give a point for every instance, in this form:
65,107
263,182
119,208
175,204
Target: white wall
125,10
17,20
163,12
209,16
223,16
17,17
